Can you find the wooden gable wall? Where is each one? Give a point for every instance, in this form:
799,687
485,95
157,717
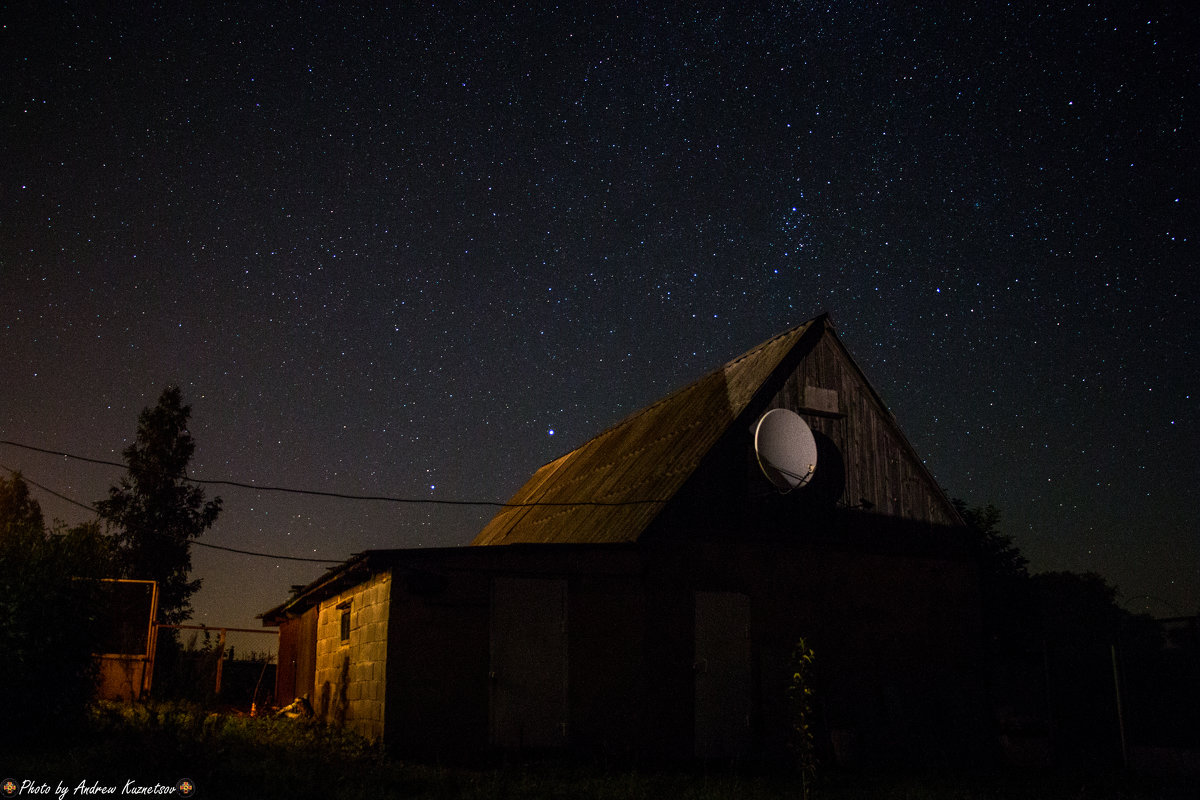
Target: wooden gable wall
830,392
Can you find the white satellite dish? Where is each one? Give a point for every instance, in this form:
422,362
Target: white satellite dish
786,450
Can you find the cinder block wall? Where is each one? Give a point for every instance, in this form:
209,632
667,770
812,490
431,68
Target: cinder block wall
351,674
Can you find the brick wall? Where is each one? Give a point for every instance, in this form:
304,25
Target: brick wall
351,674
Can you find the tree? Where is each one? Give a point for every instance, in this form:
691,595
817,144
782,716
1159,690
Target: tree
1053,639
48,613
1005,590
20,515
155,513
999,557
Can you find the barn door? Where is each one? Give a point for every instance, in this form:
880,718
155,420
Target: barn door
722,672
528,663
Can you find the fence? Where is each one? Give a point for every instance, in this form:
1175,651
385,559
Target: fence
231,667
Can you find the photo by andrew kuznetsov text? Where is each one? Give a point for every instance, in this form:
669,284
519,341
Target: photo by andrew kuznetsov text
60,790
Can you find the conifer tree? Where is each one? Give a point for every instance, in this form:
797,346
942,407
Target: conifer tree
155,513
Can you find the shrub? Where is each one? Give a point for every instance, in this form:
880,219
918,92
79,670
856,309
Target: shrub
48,611
800,711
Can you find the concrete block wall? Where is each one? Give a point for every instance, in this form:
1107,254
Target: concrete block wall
351,675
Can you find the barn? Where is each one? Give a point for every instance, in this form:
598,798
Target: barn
641,596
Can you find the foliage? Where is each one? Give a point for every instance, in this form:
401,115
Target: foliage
800,713
264,757
1005,592
1052,639
1083,630
1078,606
21,519
155,513
225,755
997,553
185,666
48,611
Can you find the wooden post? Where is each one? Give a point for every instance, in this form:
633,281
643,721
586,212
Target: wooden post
151,644
1120,707
220,659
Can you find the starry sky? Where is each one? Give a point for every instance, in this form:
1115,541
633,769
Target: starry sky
420,252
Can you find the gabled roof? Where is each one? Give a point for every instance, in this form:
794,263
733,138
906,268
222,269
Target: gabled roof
611,488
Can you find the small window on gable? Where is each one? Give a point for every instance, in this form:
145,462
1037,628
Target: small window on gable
345,609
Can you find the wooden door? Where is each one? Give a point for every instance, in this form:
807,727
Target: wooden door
528,663
722,675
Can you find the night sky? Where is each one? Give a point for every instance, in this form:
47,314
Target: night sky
419,253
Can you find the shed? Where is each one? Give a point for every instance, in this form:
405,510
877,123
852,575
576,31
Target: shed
641,595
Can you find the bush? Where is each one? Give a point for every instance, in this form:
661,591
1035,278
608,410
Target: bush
48,611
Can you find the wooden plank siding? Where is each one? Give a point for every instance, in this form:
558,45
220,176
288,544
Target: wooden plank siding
881,466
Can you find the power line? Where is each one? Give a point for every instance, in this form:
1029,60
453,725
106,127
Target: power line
48,490
308,492
87,507
357,497
60,453
268,555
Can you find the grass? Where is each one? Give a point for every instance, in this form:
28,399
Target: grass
236,756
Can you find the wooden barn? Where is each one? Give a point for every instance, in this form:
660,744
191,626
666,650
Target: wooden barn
641,596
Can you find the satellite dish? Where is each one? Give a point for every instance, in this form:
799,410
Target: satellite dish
786,450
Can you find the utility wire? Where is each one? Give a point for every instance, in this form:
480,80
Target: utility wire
87,507
47,489
268,555
345,496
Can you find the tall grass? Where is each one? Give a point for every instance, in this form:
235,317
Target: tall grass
236,756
